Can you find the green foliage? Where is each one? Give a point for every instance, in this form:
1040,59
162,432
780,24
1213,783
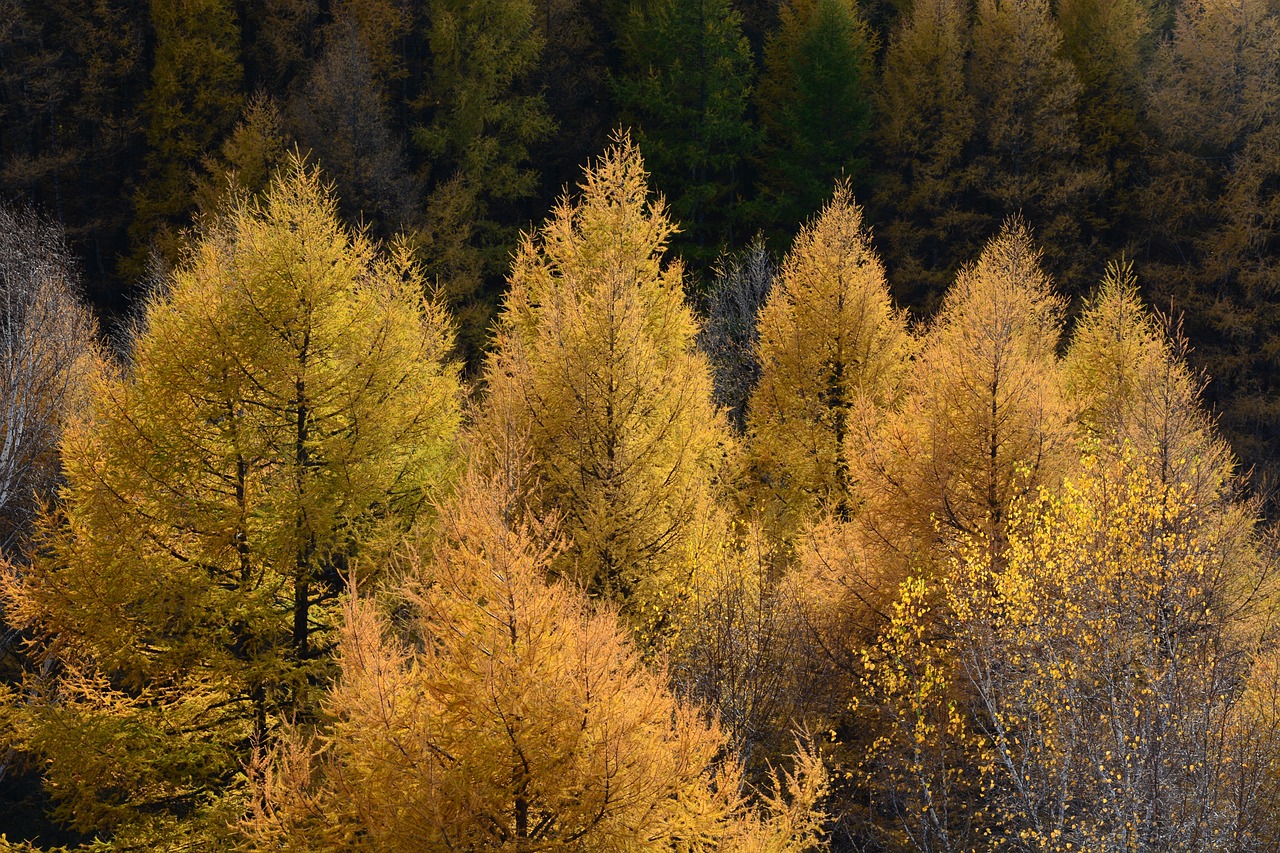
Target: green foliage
479,123
192,102
924,130
814,99
287,409
685,90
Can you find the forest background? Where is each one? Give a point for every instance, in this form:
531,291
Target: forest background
848,553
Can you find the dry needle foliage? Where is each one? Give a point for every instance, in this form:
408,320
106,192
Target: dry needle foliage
502,712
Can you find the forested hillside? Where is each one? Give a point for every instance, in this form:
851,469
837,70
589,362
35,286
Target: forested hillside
627,425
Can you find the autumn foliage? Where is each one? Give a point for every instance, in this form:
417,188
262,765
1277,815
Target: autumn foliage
801,574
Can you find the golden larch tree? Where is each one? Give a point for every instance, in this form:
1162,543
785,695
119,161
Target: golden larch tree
832,351
596,363
288,404
982,421
503,712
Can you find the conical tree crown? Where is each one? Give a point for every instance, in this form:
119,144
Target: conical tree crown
831,346
982,421
597,365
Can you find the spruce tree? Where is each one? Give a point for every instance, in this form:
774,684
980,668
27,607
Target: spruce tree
684,89
815,106
478,122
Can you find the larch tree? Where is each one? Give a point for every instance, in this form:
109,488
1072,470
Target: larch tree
832,350
192,102
49,349
247,159
982,420
1131,391
814,99
287,409
504,712
73,74
1028,140
341,116
1106,42
924,135
684,90
1212,208
597,363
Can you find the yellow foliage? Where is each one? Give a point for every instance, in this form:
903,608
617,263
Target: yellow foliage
982,421
832,351
288,407
1129,385
596,364
1106,650
505,713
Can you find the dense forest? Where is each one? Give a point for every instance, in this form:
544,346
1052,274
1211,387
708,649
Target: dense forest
640,425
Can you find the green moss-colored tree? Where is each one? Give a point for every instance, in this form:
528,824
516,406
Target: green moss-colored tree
815,106
596,362
479,121
833,350
1028,142
685,88
193,101
924,131
286,408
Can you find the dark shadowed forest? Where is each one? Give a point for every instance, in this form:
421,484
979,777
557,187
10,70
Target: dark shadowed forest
757,426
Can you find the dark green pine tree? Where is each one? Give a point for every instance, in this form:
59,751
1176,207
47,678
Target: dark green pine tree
815,105
193,102
72,73
480,117
684,90
924,133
